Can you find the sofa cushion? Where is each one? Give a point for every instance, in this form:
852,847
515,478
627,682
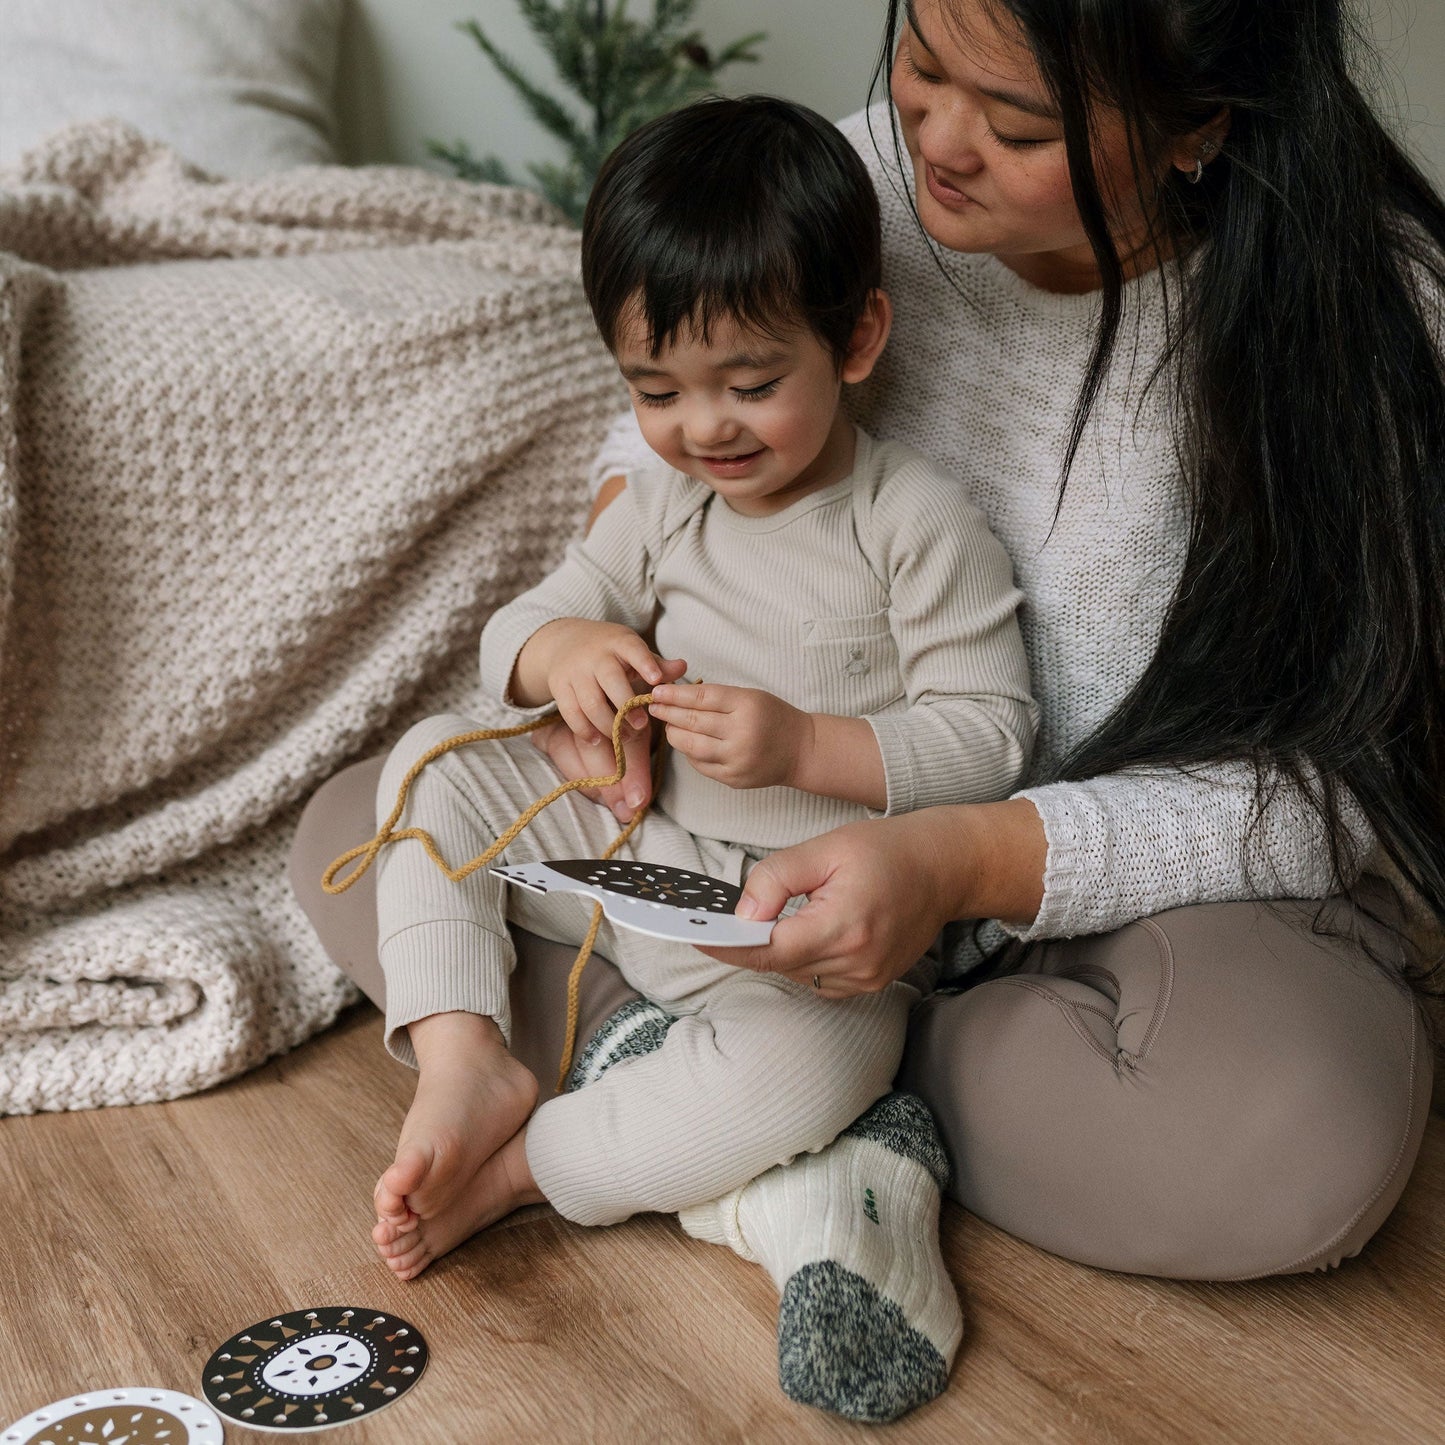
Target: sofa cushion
239,87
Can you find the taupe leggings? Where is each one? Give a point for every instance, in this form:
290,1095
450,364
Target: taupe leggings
1216,1092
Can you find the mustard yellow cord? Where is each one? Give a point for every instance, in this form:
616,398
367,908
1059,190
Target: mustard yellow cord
367,851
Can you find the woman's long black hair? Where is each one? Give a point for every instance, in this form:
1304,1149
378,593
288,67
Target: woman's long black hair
1307,632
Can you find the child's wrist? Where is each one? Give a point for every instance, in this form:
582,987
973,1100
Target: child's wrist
841,760
803,769
531,684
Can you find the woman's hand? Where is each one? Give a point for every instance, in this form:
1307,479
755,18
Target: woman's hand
594,760
878,892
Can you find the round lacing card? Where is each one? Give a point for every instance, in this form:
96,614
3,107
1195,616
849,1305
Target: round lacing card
132,1415
312,1369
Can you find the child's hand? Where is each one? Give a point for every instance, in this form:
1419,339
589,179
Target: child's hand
590,669
739,735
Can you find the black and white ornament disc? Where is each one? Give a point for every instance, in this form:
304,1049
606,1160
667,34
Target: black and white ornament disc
649,898
312,1369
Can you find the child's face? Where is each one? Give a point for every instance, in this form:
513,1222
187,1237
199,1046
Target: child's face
756,419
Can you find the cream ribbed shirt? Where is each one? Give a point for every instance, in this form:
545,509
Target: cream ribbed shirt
982,373
883,596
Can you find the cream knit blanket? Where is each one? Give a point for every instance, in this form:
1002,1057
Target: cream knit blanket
270,452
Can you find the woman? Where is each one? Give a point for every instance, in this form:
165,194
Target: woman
1163,252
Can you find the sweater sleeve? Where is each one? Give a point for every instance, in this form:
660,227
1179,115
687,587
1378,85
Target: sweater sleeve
607,576
967,728
1136,843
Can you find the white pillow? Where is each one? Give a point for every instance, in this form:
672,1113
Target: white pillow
239,87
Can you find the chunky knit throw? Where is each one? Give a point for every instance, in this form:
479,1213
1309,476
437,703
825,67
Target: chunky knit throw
270,451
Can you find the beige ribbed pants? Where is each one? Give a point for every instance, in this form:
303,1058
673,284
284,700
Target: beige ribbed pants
755,1069
1213,1093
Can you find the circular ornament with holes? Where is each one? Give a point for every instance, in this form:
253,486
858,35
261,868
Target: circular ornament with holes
131,1415
312,1369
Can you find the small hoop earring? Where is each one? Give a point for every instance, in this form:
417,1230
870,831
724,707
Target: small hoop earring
1206,150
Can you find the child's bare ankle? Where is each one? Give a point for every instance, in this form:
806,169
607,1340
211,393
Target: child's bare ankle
439,1039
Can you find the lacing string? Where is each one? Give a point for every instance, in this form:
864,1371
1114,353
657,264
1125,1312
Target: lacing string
389,833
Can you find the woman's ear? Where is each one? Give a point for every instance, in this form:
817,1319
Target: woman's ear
869,337
1192,152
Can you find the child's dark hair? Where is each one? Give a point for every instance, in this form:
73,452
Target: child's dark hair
754,210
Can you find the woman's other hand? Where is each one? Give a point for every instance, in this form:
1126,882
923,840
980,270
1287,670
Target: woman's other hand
878,892
574,760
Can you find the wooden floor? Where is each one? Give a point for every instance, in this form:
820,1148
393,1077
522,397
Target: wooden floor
136,1240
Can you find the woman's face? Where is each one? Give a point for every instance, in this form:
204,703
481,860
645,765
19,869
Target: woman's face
990,172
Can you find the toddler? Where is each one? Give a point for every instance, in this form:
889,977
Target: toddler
853,623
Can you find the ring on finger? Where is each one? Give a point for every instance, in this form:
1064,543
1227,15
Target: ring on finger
816,982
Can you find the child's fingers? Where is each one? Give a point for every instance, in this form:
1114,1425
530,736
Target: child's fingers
698,698
690,720
616,683
597,707
703,696
586,710
694,746
642,660
574,715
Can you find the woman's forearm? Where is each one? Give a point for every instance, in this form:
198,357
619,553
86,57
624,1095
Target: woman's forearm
988,859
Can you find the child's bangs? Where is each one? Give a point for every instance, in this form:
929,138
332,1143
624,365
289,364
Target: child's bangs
705,301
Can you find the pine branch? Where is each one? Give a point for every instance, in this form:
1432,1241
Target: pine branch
624,71
740,50
567,35
565,186
669,14
552,116
469,167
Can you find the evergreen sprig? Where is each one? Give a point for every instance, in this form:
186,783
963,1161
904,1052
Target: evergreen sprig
622,71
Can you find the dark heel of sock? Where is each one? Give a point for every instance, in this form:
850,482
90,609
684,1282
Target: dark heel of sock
845,1348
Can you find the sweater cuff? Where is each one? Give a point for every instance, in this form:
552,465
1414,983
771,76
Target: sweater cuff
1065,868
451,965
898,773
929,762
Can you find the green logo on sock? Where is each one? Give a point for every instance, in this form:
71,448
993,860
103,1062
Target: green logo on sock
870,1205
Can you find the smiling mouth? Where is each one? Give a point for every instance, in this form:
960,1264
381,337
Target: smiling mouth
945,190
730,456
736,465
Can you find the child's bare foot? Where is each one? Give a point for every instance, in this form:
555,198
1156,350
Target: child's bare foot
503,1183
472,1096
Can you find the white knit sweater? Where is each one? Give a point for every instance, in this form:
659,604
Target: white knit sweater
982,373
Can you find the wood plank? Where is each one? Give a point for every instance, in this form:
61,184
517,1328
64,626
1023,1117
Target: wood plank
140,1238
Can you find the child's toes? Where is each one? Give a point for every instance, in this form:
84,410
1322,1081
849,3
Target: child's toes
410,1264
386,1232
392,1242
402,1219
410,1167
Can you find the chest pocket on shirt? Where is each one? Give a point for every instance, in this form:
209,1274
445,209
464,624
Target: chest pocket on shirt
851,663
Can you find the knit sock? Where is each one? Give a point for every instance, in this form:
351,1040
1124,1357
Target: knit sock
636,1028
869,1321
